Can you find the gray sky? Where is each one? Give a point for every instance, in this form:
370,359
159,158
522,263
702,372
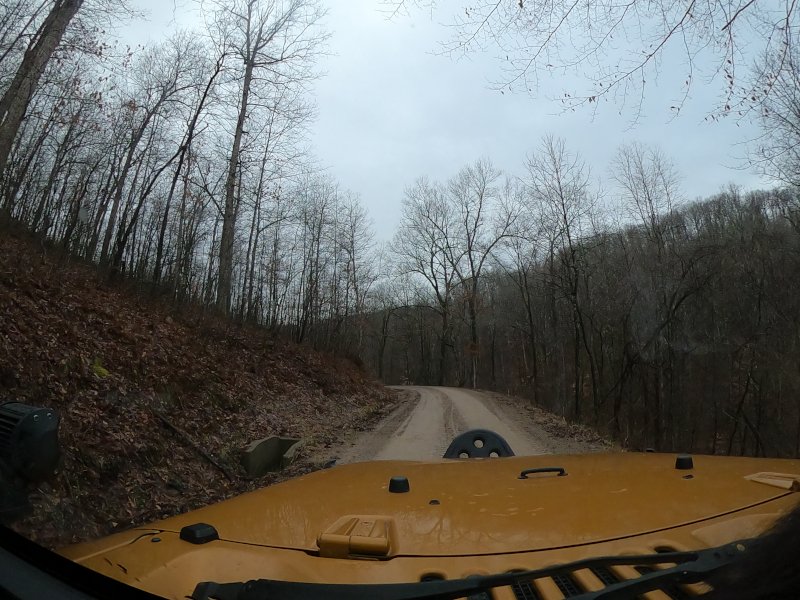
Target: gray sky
391,109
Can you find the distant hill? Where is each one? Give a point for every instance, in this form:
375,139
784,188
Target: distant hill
124,371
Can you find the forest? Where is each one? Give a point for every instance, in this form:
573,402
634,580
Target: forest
607,295
673,326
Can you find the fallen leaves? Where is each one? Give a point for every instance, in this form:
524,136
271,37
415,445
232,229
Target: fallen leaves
108,359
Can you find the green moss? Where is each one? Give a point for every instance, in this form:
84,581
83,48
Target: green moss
99,370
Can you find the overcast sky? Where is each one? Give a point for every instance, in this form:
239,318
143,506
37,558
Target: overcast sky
391,109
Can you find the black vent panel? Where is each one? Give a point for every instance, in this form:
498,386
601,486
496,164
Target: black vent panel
567,585
524,590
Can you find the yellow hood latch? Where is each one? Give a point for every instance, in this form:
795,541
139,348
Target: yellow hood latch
358,536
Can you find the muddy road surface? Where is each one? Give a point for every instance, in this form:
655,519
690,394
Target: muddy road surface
428,418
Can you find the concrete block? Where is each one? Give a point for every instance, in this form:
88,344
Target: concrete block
270,454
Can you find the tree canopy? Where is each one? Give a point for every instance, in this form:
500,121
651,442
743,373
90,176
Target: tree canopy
619,49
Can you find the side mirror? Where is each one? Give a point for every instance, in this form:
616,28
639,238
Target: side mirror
29,440
29,452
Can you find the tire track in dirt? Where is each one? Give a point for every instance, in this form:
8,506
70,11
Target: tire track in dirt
423,426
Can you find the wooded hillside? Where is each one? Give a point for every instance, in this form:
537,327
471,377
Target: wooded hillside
674,326
121,368
184,163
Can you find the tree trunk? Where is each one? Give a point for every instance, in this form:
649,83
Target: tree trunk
534,359
577,360
184,150
119,188
11,186
473,331
14,102
225,275
443,347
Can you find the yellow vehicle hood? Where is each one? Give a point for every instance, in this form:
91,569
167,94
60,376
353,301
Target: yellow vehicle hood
482,507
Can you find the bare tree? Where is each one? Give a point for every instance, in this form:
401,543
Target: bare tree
484,216
40,48
648,185
18,21
184,162
619,47
425,246
160,76
357,243
558,182
520,256
204,93
777,150
276,42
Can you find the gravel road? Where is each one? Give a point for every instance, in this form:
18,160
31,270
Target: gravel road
428,418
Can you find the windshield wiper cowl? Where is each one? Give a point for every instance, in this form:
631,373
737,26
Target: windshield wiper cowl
690,567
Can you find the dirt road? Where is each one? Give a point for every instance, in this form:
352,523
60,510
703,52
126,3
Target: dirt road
426,421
